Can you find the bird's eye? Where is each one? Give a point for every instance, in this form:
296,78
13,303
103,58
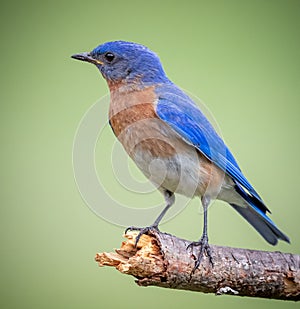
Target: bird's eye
109,57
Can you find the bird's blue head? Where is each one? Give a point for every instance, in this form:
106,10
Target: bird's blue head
127,62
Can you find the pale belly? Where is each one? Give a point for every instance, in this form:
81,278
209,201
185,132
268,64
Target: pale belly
169,162
180,173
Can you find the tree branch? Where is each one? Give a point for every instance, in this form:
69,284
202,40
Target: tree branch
162,260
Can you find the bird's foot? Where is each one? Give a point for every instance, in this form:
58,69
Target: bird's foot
204,248
142,230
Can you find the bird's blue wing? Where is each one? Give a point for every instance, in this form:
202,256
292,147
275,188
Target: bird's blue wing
180,112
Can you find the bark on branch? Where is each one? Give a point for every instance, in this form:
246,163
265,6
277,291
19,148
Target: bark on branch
162,260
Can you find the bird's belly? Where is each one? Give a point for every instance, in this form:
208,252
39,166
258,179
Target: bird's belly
169,162
178,173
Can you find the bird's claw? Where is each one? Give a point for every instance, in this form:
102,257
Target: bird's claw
204,248
142,230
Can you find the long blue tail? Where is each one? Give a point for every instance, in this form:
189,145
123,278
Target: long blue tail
255,214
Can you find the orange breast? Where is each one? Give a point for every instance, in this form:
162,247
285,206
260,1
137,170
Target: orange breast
135,123
129,116
128,106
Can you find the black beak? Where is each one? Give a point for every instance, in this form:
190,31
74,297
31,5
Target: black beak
86,57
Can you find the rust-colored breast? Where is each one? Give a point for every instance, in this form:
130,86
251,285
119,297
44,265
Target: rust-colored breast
127,107
130,116
135,123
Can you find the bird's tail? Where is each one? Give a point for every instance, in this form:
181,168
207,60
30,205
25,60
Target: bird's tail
259,219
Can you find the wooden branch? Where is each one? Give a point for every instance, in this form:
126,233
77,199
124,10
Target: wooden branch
163,260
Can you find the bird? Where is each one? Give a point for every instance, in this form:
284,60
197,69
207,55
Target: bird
172,142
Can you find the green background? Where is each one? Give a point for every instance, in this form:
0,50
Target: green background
240,57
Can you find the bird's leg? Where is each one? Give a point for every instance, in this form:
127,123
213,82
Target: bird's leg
203,241
170,199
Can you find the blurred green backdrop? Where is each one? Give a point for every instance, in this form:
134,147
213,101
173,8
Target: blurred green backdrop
240,57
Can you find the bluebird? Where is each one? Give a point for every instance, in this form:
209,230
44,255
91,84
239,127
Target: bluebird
171,141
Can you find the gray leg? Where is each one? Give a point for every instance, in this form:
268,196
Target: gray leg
170,199
203,242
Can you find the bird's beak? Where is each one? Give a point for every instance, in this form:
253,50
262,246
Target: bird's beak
87,57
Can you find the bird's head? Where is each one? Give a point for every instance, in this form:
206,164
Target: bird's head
121,61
